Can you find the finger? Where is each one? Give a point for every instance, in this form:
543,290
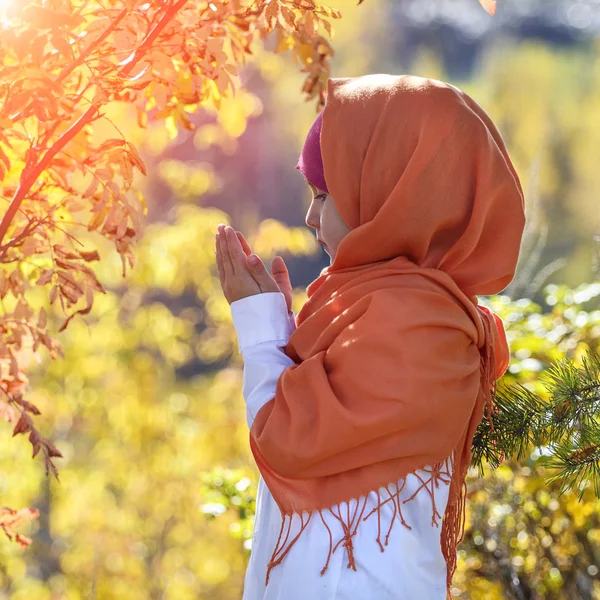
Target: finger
225,257
219,260
236,254
282,278
261,275
245,247
279,270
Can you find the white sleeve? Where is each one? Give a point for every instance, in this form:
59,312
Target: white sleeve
263,325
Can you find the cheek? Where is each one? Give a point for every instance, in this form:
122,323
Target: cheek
326,216
328,221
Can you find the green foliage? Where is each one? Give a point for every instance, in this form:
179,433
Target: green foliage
532,520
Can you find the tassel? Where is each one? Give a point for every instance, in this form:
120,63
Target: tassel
453,529
440,472
280,546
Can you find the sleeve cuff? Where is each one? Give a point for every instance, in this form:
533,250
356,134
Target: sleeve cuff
262,318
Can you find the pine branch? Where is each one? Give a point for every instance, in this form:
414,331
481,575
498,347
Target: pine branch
578,461
567,425
517,425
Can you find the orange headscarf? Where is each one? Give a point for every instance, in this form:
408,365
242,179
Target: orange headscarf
395,358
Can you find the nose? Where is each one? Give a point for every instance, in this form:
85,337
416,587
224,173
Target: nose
312,216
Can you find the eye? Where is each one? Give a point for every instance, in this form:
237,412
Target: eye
321,197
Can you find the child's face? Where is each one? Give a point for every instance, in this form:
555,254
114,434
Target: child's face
323,216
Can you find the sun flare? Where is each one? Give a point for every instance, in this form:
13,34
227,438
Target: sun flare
4,5
5,20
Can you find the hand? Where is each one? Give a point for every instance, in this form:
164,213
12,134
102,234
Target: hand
280,274
236,280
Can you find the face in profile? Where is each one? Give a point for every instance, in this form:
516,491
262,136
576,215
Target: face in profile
324,218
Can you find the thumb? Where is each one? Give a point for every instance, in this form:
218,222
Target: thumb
261,275
280,273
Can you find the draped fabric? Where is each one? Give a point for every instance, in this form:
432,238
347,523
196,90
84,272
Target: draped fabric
395,361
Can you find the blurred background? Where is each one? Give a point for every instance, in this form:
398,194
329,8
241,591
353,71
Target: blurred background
156,492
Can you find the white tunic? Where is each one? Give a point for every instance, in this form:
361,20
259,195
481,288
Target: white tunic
412,565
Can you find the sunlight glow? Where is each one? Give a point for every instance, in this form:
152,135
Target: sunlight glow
4,5
6,21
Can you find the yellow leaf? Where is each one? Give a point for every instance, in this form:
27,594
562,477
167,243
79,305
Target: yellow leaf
171,126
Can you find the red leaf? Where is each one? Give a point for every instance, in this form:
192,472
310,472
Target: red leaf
52,450
23,425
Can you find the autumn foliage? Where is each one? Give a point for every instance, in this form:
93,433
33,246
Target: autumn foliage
61,63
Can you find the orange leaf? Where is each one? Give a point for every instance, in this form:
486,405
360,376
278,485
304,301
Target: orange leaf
109,144
103,173
23,540
271,14
137,161
4,286
59,41
45,277
4,159
222,82
489,6
91,255
309,24
42,319
127,170
289,17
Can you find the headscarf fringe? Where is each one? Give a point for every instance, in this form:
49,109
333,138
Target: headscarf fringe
350,518
449,471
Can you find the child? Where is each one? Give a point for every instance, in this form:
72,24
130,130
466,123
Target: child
362,410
